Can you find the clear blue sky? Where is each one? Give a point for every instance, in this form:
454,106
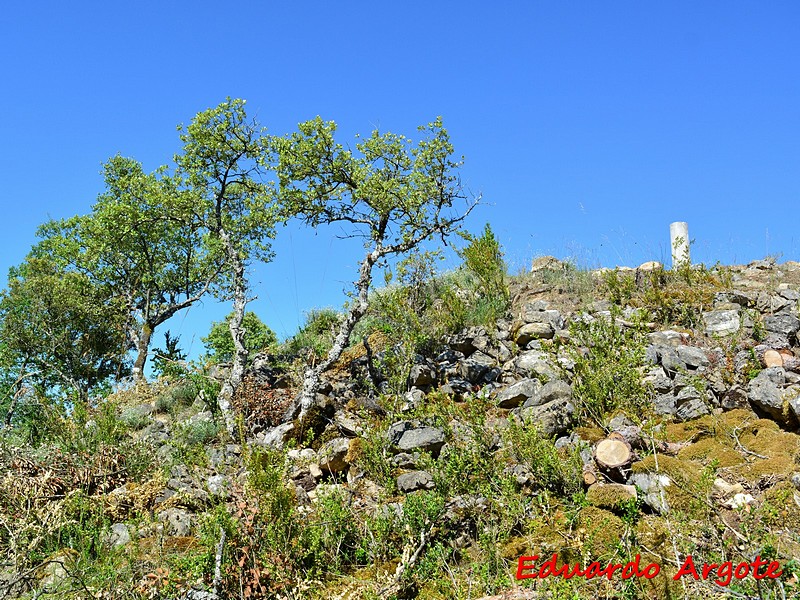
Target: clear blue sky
587,126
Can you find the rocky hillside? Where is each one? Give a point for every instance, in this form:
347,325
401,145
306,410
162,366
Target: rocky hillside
606,415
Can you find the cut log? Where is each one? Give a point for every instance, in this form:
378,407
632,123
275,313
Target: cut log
589,475
612,453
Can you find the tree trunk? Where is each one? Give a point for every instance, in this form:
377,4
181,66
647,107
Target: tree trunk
233,381
142,346
313,375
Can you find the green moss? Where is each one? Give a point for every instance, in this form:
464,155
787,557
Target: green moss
711,449
685,491
598,532
610,496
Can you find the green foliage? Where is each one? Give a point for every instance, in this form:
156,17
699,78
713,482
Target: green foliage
197,433
315,337
483,259
258,337
62,329
607,359
224,167
142,240
169,362
556,470
674,297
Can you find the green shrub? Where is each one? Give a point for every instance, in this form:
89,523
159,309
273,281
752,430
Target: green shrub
315,337
607,358
555,470
258,337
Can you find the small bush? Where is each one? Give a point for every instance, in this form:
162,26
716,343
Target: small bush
555,470
315,337
607,359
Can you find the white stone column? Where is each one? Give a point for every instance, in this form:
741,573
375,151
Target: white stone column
679,242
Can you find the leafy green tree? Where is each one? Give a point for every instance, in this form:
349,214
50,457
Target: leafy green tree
142,239
257,337
224,165
394,195
61,330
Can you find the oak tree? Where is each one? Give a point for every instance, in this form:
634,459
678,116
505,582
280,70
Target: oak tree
142,240
393,194
224,164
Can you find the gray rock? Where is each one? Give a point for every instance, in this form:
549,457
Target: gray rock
554,418
118,535
516,394
552,390
404,460
735,397
194,594
470,340
178,522
218,486
665,404
620,422
688,393
475,368
668,337
692,409
692,357
534,363
415,480
783,324
671,360
406,437
422,374
791,295
332,455
276,437
458,388
531,313
721,322
652,486
792,397
764,392
534,331
348,426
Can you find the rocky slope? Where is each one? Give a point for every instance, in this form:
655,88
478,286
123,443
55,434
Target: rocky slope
610,414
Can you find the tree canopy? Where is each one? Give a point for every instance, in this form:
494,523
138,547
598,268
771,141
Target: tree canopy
391,193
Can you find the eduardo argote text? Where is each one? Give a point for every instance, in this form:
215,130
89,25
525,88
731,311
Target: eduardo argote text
722,573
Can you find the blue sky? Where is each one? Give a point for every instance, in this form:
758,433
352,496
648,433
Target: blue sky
588,127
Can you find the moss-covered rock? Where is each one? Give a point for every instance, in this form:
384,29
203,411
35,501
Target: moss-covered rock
611,496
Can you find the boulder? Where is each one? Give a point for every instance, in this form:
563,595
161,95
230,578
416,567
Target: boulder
721,322
554,418
534,331
178,522
783,324
764,392
415,480
518,393
118,535
550,391
422,374
406,437
332,455
652,486
692,409
692,357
